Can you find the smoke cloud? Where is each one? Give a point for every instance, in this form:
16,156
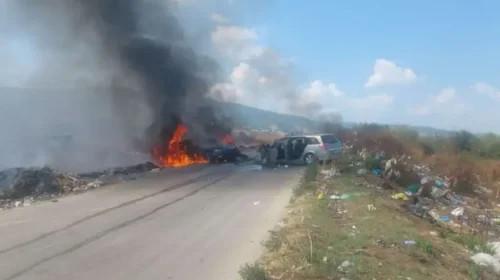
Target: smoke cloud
95,83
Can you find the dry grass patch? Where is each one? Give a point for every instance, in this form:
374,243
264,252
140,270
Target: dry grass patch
346,239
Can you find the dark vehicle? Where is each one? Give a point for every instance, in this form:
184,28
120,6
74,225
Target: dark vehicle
225,153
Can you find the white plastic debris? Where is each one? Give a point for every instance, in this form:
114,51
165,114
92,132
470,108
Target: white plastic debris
484,259
458,212
334,197
362,171
18,203
256,203
344,266
328,173
371,207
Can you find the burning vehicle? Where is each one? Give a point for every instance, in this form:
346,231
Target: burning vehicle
225,153
182,151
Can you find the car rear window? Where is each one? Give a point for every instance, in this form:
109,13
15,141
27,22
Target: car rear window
311,141
329,139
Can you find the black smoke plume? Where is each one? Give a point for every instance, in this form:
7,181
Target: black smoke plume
124,53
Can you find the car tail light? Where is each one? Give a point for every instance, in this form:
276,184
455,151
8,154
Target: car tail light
322,147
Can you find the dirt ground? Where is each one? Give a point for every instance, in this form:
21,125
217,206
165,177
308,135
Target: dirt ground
343,227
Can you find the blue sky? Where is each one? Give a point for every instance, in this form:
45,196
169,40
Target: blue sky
433,63
449,48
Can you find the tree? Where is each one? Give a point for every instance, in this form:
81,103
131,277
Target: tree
464,141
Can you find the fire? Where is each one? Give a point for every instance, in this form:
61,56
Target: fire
176,156
228,140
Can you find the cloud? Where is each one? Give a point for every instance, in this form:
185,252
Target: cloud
484,88
386,72
445,96
262,77
235,42
219,18
445,102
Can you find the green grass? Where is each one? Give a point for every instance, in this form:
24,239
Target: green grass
253,272
324,233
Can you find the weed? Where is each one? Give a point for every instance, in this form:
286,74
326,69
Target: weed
308,182
274,242
372,163
253,272
473,271
426,246
486,248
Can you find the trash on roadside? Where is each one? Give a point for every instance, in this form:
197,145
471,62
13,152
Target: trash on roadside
439,183
409,242
458,212
425,180
413,188
345,196
344,266
320,195
256,203
371,207
334,197
377,172
400,196
483,259
362,171
444,218
328,173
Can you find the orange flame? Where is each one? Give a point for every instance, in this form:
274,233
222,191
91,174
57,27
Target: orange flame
177,155
228,140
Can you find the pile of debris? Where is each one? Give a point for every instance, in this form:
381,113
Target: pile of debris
17,183
20,186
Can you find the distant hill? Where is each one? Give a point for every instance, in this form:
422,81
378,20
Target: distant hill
250,117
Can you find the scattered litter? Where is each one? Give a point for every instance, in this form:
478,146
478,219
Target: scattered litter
320,195
439,183
425,180
371,207
377,172
155,170
409,242
487,260
325,259
413,188
444,218
345,196
256,203
18,203
400,196
334,197
458,212
281,224
344,266
433,233
362,171
328,173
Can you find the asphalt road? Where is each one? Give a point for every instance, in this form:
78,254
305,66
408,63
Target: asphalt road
201,222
